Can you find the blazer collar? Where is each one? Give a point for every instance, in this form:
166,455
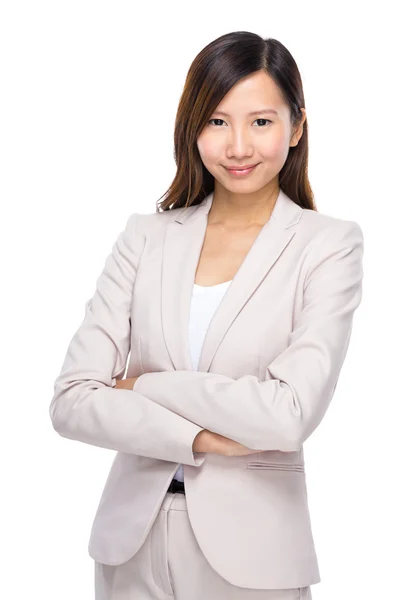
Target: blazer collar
183,243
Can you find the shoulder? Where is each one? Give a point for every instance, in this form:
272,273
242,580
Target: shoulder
142,223
318,229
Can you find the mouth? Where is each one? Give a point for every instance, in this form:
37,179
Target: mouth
240,171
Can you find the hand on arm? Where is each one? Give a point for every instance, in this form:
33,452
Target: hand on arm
205,440
208,441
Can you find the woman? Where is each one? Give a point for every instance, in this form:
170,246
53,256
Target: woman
234,306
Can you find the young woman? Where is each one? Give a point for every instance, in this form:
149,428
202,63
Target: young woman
233,303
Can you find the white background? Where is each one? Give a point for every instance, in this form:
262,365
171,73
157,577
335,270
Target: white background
89,92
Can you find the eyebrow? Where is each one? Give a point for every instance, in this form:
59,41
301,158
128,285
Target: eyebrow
254,112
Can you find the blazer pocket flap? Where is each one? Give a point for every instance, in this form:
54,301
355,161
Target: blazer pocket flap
276,459
267,465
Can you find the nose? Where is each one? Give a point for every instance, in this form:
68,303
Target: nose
239,144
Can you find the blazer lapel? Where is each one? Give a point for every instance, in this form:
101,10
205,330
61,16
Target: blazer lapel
181,251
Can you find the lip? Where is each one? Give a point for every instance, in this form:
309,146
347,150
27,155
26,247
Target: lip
241,168
238,172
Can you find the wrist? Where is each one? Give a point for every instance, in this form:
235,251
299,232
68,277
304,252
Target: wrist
204,441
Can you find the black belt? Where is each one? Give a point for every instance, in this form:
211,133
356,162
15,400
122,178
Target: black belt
176,486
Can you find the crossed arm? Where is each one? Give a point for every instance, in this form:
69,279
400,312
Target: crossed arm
205,441
173,407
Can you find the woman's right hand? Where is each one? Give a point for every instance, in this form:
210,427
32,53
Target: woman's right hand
208,441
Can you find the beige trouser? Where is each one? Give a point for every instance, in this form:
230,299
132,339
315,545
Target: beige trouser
170,566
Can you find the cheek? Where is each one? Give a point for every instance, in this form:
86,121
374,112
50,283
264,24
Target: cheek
208,149
274,149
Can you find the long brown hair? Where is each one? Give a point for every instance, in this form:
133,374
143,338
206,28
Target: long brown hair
213,72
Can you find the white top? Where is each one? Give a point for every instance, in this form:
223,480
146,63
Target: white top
205,300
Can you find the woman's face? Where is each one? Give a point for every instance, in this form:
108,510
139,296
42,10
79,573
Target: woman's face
240,138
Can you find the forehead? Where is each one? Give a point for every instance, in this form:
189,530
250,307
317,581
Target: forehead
252,93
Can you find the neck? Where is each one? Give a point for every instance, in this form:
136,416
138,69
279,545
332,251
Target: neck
242,210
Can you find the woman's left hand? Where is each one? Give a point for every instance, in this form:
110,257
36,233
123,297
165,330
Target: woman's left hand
125,384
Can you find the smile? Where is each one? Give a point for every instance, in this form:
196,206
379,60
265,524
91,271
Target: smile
240,172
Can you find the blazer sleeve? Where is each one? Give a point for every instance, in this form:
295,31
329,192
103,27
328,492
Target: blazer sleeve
281,412
85,406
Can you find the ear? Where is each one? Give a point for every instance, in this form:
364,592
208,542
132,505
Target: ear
298,131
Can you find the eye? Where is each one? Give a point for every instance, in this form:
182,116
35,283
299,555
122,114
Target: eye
263,120
214,120
269,121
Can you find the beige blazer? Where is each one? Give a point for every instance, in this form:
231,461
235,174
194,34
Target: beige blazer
268,369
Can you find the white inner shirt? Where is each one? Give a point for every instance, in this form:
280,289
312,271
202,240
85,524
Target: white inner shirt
205,300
